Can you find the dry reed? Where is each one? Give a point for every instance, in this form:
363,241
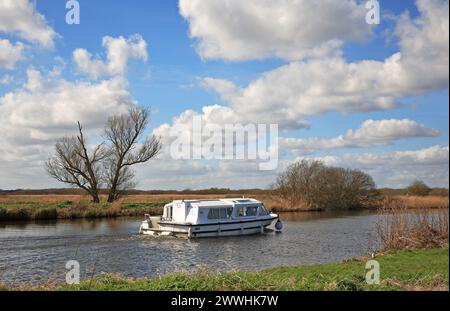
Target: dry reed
399,227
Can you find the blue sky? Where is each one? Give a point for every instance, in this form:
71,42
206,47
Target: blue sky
170,81
165,83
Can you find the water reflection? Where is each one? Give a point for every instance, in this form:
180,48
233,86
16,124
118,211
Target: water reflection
314,215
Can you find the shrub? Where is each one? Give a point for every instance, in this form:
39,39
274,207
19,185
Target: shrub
324,187
418,188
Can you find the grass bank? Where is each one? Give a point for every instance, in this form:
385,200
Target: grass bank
25,207
400,270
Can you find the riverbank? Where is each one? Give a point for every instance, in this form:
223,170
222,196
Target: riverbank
400,270
51,206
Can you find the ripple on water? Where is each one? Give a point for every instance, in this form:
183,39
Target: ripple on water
36,252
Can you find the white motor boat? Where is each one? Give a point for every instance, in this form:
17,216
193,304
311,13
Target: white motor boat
211,218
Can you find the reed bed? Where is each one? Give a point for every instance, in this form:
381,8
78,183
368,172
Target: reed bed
400,227
418,202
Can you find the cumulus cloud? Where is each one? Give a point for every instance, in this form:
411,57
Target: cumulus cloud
10,53
214,114
424,44
20,18
398,169
164,174
289,29
302,88
45,108
370,133
210,116
118,52
290,93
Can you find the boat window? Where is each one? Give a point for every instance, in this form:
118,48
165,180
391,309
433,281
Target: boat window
251,211
245,211
225,213
229,212
213,213
241,211
220,213
263,211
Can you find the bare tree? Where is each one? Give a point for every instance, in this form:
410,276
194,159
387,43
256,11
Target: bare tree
297,183
109,163
123,133
74,165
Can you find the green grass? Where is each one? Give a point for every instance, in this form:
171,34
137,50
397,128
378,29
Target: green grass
400,270
144,205
65,204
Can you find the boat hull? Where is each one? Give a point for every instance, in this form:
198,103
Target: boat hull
231,228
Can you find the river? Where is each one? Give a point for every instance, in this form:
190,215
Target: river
37,252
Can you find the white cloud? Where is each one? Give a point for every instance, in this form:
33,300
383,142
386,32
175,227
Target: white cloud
370,133
170,132
217,126
398,169
383,131
165,174
424,44
289,29
45,108
299,89
10,53
20,18
291,92
118,52
215,114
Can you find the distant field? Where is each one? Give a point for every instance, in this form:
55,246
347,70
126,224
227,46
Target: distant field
52,206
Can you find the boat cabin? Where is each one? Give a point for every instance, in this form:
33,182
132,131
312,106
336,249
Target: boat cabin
217,210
